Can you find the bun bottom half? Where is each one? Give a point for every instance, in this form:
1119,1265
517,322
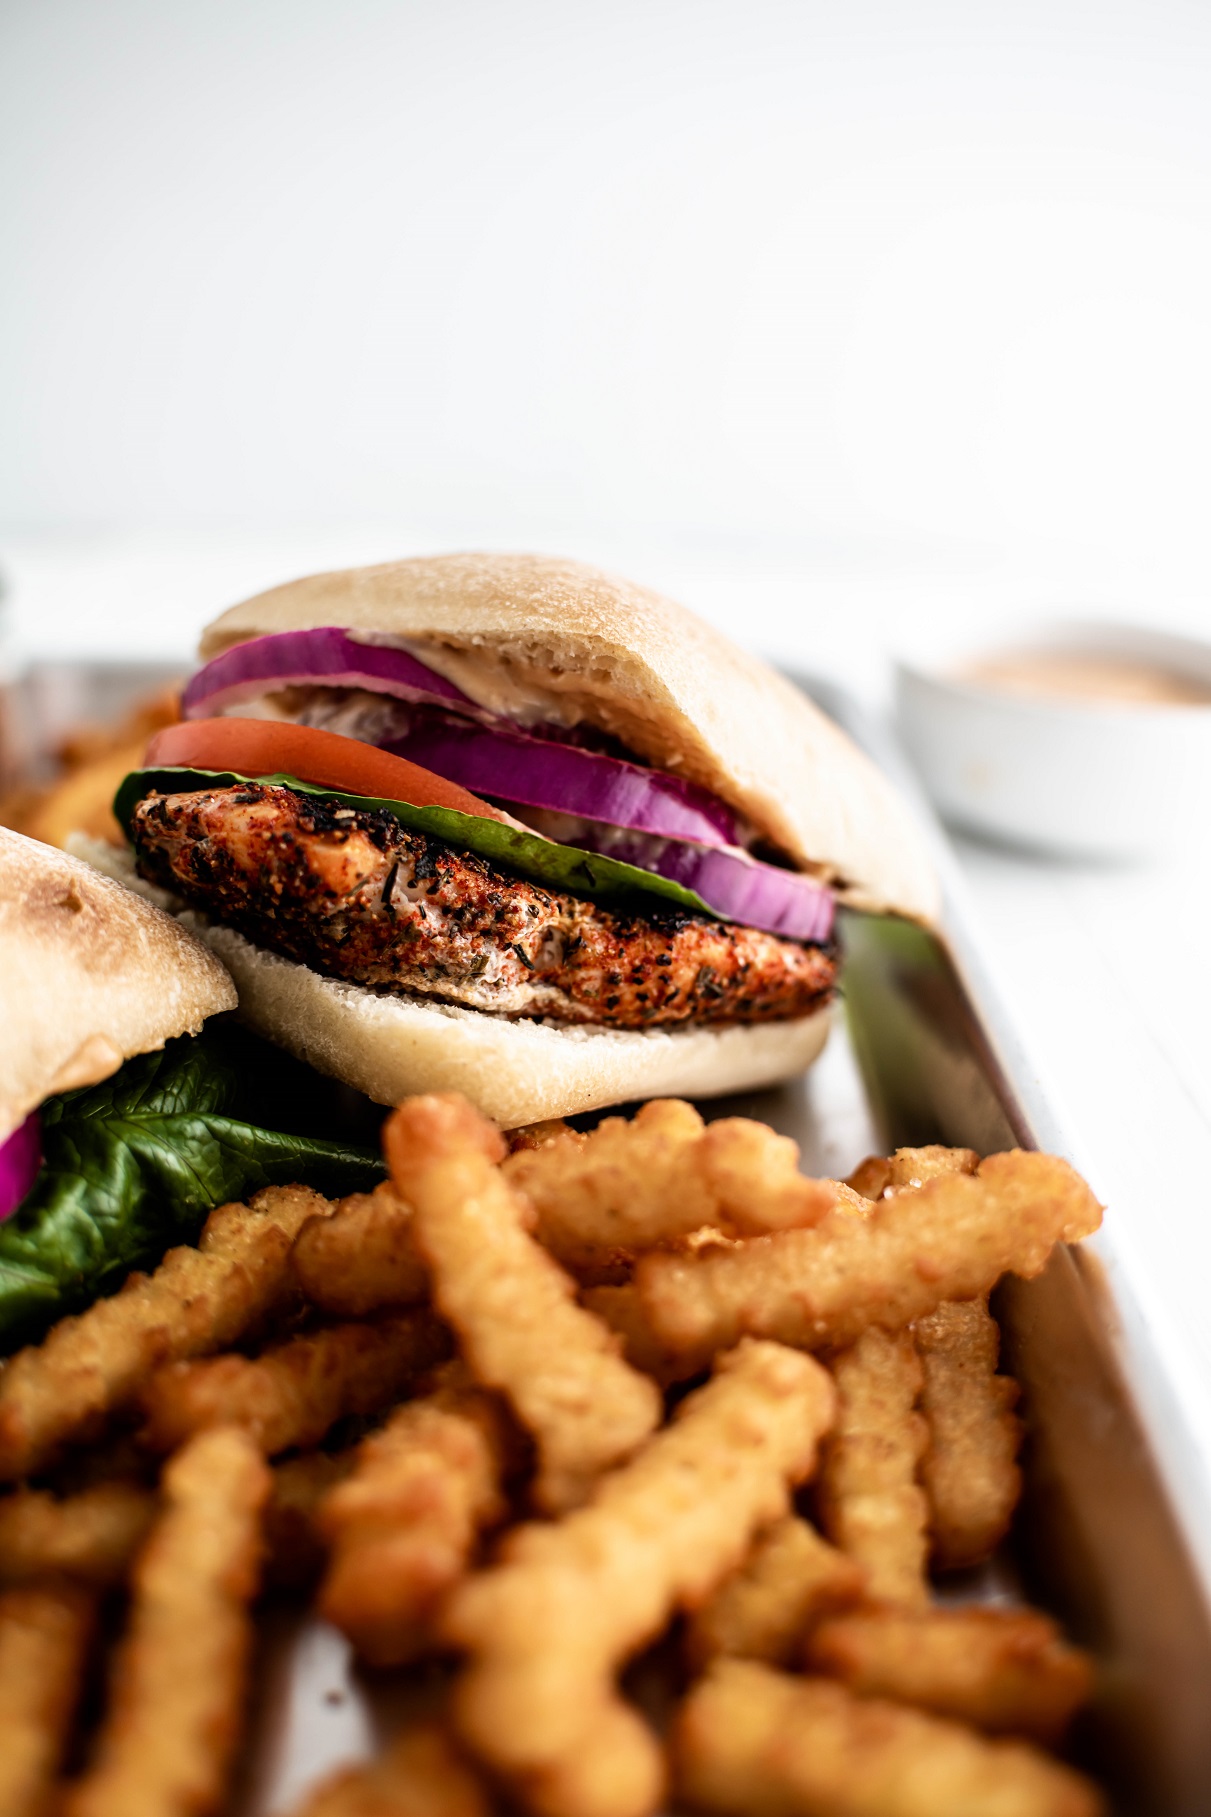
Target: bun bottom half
516,1072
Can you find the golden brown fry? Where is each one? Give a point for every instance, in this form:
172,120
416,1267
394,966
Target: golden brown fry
91,1537
876,1176
870,1177
870,1503
969,1469
537,1135
949,1239
549,1627
513,1308
177,1696
1005,1670
19,803
95,759
617,1768
362,1258
752,1742
752,1177
294,1546
789,1580
82,802
420,1775
294,1392
631,1186
619,1308
44,1639
403,1525
197,1301
88,739
852,1202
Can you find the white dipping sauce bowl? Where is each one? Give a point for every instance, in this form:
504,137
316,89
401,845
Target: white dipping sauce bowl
1072,778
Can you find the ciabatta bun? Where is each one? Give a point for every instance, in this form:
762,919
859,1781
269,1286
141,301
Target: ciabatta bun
89,975
516,1072
532,636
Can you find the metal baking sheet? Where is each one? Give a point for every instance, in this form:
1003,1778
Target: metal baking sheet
1113,1526
921,1053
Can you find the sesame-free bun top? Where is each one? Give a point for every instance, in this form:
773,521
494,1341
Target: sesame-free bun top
538,638
89,975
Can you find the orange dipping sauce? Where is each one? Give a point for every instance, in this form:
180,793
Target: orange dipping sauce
1086,678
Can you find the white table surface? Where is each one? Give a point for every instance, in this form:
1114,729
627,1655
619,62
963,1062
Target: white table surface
1103,971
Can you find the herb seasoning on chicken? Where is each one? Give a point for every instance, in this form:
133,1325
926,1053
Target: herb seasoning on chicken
356,895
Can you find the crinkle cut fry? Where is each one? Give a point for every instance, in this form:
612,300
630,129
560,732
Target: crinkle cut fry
752,1742
870,1503
950,1239
619,1308
537,1135
513,1308
178,1686
548,1628
634,1185
294,1392
92,1537
402,1526
362,1257
89,1538
420,1775
969,1470
197,1301
763,1610
1007,1671
44,1639
908,1167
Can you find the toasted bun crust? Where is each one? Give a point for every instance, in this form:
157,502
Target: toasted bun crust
516,1072
89,975
565,641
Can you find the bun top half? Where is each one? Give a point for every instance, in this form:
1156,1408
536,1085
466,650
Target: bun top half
89,975
533,636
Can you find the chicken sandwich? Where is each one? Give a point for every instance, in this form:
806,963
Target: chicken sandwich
510,826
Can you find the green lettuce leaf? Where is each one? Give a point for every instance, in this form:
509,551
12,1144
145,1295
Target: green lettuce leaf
133,1165
560,867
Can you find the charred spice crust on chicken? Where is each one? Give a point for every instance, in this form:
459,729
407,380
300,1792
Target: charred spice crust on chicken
356,895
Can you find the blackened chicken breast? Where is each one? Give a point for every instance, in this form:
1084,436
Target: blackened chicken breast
356,895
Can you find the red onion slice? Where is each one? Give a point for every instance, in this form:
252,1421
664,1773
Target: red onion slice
324,658
643,817
735,886
536,773
20,1159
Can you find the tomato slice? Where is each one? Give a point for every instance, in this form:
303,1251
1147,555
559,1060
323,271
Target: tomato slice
266,747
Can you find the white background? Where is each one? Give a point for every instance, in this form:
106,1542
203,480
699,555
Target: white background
921,284
843,321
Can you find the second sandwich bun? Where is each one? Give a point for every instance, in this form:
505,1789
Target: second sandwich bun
89,975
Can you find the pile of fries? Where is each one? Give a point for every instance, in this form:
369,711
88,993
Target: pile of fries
535,1407
89,763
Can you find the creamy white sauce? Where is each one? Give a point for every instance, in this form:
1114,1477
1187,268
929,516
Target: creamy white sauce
487,678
